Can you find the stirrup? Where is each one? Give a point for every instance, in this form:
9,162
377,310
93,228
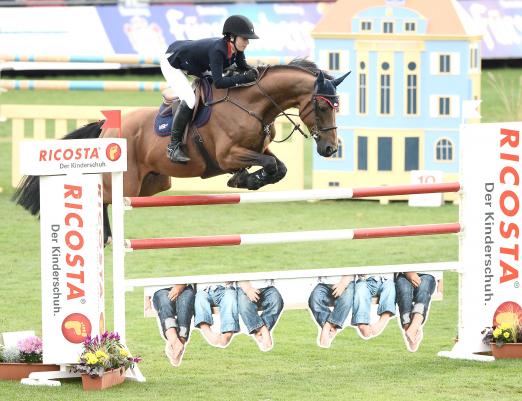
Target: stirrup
175,154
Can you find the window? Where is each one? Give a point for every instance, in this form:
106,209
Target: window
444,150
444,63
339,153
387,27
366,26
333,184
362,153
385,94
333,61
473,58
384,150
411,107
411,152
409,26
444,106
362,93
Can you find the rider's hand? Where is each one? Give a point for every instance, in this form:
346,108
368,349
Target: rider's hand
250,75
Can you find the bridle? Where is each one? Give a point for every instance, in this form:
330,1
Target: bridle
331,100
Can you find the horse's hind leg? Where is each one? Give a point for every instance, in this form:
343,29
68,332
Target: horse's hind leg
107,233
266,175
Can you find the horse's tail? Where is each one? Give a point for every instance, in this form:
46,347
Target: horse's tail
27,193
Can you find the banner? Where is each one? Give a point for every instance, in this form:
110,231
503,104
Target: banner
73,296
490,290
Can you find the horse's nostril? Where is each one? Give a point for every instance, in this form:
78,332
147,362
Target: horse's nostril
329,150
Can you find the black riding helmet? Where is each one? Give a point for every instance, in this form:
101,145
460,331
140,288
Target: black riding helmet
239,25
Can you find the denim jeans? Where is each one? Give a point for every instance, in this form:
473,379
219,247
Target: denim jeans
414,300
271,304
365,289
320,300
175,314
223,297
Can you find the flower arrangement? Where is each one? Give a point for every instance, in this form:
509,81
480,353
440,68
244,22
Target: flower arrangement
27,350
104,353
504,333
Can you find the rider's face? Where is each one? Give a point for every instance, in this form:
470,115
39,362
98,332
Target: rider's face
241,43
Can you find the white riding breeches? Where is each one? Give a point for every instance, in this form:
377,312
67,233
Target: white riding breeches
178,81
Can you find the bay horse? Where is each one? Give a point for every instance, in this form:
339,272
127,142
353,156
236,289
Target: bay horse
235,138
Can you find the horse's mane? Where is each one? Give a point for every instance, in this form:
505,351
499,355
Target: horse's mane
303,64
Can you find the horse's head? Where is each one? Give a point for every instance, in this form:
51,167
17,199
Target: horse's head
320,120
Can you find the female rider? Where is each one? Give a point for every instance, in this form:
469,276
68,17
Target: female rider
196,57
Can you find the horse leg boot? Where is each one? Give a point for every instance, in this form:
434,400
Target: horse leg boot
181,119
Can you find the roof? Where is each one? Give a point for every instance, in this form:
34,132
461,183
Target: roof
441,15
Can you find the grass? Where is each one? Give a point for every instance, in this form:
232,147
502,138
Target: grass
296,369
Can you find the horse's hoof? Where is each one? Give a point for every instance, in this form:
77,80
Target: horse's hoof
108,241
239,179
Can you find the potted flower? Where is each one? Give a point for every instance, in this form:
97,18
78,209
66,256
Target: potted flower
103,362
26,357
505,340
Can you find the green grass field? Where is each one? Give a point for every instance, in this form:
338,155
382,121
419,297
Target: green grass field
296,369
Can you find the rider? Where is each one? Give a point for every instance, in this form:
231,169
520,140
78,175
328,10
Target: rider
188,57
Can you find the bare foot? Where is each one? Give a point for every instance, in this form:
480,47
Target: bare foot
174,352
380,324
211,337
224,339
328,334
414,338
263,339
365,330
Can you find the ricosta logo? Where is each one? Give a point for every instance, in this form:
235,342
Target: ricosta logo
113,152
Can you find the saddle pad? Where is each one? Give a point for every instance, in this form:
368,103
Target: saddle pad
163,120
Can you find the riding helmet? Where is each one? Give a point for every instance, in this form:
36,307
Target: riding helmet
239,25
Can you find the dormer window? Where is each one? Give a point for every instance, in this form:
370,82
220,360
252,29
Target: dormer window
366,25
409,27
387,27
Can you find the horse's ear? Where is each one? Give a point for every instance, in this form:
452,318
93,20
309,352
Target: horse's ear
337,81
320,78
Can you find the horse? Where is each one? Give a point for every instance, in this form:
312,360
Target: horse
235,138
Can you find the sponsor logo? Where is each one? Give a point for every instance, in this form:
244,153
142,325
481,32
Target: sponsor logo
76,327
113,152
507,312
48,155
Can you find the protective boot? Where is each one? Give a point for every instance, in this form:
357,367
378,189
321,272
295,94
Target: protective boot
181,119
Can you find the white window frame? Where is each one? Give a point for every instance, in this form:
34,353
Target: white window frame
449,145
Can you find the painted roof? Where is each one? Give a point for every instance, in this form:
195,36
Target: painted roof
441,15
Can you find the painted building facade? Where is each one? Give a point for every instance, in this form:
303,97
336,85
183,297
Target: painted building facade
414,67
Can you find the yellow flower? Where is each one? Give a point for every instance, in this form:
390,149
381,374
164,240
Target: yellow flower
497,332
90,358
123,352
506,334
101,355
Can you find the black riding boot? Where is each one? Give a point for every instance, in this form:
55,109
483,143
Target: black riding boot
181,119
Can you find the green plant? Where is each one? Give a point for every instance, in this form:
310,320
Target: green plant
10,355
505,333
104,353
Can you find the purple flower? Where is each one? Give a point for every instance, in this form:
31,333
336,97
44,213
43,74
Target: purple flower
30,345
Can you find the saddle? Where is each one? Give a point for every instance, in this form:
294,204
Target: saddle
200,116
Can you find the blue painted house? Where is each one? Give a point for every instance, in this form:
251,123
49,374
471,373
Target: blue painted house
415,66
